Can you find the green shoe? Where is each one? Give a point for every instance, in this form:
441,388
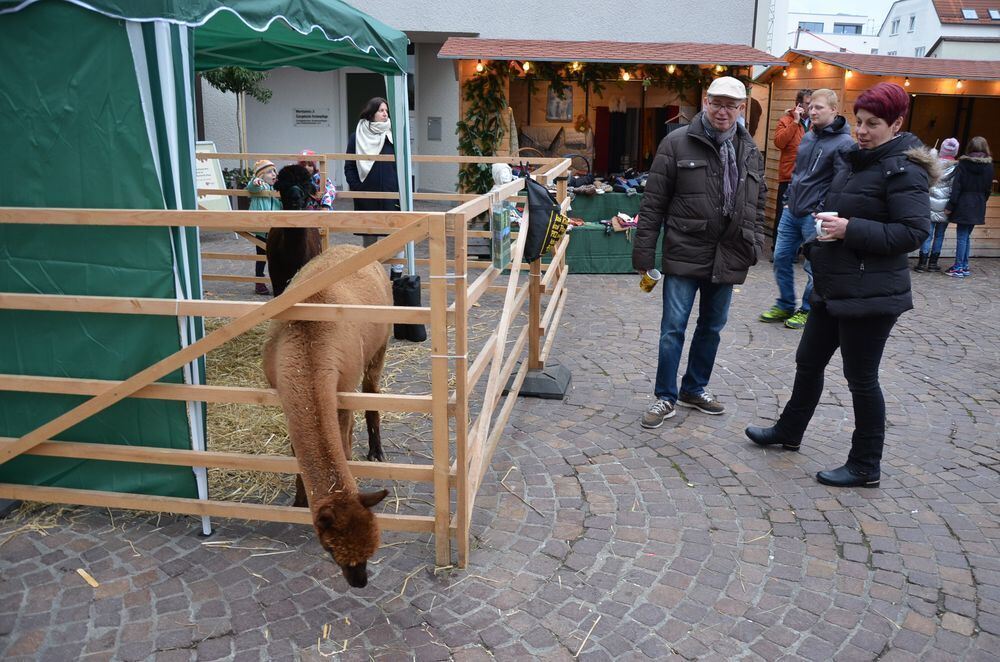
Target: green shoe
776,314
798,320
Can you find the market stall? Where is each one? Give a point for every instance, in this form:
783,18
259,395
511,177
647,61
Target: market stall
949,98
606,105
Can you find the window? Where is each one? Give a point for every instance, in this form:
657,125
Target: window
811,26
913,23
970,15
919,51
894,27
846,28
891,53
874,51
995,14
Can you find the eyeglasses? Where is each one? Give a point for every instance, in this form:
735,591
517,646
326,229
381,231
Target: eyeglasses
727,107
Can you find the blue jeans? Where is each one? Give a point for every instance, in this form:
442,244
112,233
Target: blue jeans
792,232
934,239
963,242
713,311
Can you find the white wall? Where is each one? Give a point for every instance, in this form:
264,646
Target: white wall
220,120
436,96
966,50
715,21
271,126
826,40
925,32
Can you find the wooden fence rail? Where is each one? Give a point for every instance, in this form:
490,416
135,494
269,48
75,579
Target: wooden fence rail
452,297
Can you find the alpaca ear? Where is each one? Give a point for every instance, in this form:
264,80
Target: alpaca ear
371,499
326,518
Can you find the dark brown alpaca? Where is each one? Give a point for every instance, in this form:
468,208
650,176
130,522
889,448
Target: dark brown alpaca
288,249
309,363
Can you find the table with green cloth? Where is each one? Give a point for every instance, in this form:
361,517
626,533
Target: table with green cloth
593,251
595,208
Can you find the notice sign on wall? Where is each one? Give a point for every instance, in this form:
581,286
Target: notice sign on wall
312,117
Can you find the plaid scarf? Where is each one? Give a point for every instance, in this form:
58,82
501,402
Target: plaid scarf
727,153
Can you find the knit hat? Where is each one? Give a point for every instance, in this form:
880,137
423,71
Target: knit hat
949,148
312,162
260,166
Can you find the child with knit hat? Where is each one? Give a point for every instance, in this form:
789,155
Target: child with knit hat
264,176
940,193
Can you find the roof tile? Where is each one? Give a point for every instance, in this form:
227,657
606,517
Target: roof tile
921,67
470,48
950,11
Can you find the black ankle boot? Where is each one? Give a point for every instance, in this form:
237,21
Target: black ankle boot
932,263
770,437
921,263
846,477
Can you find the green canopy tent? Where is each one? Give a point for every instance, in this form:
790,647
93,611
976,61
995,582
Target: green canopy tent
97,111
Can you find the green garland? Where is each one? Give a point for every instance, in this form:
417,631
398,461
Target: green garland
479,132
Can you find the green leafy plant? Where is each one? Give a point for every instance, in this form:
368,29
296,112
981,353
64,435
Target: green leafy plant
237,178
479,132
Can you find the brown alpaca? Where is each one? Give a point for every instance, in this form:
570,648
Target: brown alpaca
288,249
308,363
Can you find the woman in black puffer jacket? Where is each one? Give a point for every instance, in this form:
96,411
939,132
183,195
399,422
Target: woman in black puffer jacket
879,212
970,190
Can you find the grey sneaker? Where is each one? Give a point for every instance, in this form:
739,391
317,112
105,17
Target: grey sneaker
704,402
658,412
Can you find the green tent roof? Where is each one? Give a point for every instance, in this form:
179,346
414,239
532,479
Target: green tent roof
316,35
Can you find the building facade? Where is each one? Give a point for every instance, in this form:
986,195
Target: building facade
336,95
951,29
847,33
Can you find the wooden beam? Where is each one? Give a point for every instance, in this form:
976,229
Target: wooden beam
294,294
440,391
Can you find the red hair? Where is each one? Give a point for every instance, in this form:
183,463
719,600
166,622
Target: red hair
886,101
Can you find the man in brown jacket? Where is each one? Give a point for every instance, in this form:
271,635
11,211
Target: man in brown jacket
706,194
791,128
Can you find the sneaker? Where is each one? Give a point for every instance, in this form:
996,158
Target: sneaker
703,402
658,412
776,314
261,288
798,320
958,273
952,269
966,272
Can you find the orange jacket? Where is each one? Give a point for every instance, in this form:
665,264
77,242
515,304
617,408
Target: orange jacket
787,137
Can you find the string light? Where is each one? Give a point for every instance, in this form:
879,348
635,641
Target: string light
627,76
906,83
784,73
671,68
575,66
526,66
719,68
479,66
848,73
958,85
809,65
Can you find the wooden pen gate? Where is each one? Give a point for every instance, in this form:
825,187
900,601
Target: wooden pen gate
453,292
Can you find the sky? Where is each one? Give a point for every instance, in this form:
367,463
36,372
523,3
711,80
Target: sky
875,9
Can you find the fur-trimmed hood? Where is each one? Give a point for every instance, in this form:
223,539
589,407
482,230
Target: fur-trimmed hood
928,160
976,159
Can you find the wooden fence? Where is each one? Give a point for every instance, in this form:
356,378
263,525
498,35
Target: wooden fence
452,296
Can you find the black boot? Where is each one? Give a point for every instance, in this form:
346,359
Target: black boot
406,292
770,437
846,477
932,263
921,263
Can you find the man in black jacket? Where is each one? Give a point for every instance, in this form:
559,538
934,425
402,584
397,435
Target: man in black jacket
706,193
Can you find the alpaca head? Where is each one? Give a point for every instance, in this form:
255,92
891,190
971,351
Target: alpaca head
295,185
348,530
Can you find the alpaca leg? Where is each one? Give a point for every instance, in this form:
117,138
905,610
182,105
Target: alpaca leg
370,384
346,419
300,493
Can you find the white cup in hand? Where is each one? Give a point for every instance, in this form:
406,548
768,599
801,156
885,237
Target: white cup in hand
819,226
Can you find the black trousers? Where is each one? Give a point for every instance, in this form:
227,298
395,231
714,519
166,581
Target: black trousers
259,266
861,342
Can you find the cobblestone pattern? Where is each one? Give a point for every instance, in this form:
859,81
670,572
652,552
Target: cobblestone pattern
685,542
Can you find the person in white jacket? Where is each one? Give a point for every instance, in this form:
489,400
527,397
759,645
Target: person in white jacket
940,192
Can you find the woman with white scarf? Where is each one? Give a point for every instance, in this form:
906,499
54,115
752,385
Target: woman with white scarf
372,136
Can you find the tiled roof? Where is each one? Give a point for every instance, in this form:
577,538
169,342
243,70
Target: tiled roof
891,65
470,48
950,11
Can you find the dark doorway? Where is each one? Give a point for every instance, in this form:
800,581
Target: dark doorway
361,88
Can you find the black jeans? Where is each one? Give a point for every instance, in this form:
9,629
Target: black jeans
259,266
861,342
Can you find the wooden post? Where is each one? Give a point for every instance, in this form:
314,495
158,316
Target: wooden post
439,390
324,169
464,503
535,315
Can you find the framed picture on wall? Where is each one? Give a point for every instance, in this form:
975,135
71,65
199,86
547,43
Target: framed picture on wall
559,109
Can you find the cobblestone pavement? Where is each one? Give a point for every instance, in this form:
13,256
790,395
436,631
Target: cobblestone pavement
685,542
